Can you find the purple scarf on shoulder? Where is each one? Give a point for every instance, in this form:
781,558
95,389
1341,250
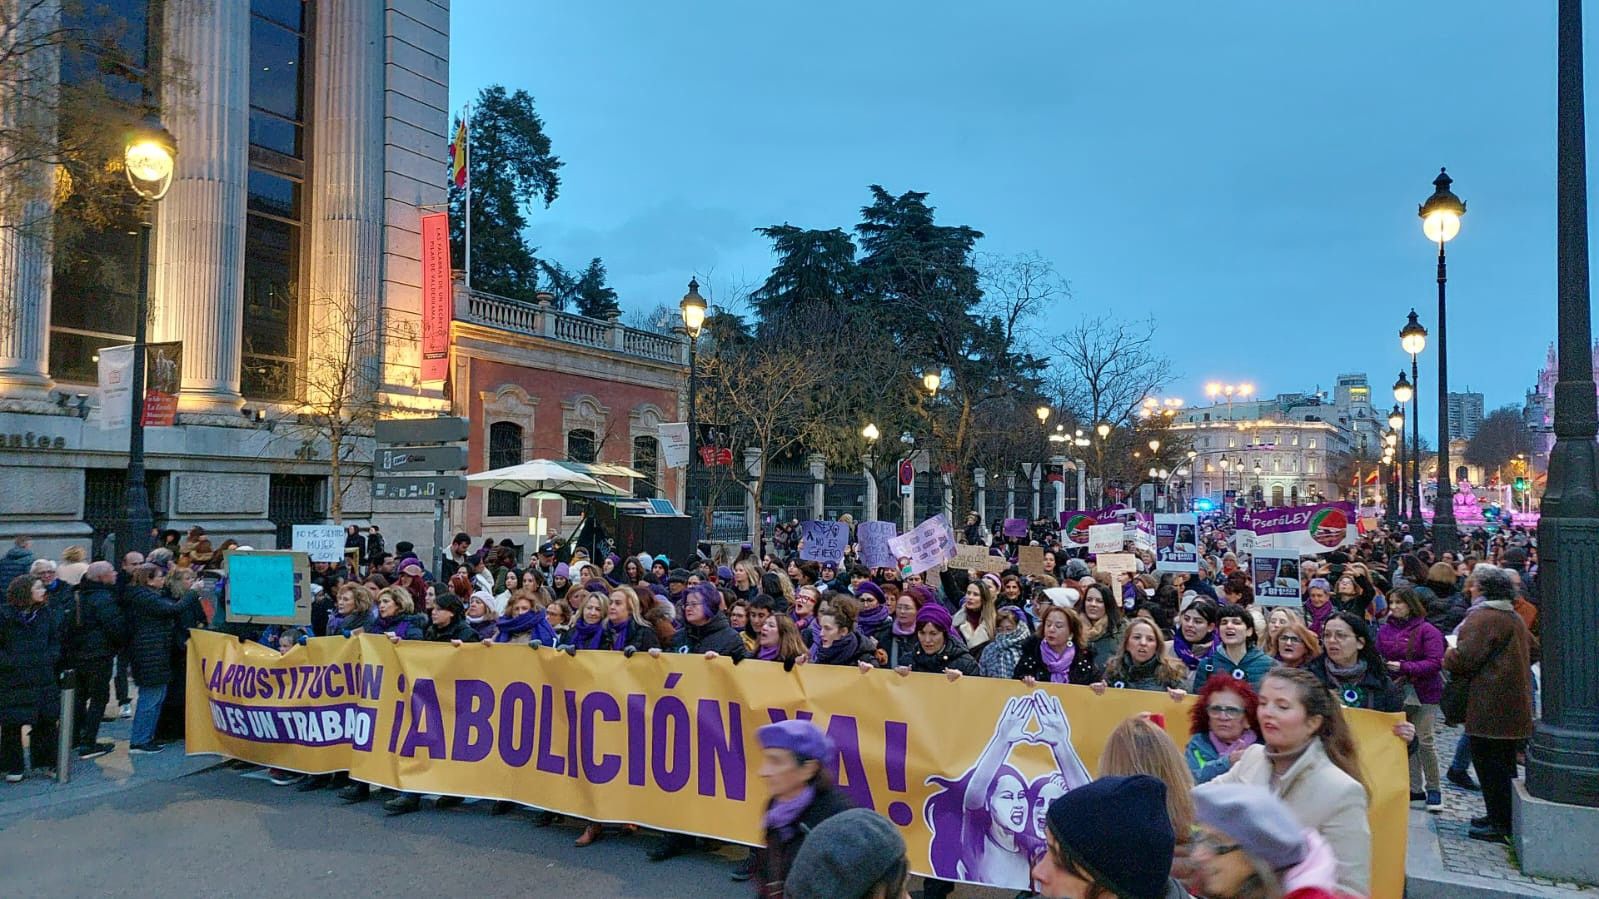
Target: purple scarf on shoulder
586,636
1223,750
870,621
767,653
1185,651
782,813
1058,663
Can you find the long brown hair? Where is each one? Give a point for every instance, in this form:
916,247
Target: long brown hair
1336,738
19,593
1138,746
790,645
1171,670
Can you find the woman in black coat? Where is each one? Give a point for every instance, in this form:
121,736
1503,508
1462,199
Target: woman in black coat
30,647
1058,653
155,618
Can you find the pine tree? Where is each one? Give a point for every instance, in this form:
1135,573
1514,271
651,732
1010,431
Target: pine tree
591,295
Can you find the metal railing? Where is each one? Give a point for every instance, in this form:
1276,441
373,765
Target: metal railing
546,321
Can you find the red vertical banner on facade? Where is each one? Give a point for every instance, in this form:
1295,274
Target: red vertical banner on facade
437,304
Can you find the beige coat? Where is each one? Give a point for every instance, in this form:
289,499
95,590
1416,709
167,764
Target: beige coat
1325,799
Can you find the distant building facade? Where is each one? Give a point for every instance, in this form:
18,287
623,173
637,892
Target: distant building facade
1465,415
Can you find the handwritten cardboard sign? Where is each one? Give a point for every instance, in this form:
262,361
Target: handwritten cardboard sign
1106,538
976,558
1030,560
823,541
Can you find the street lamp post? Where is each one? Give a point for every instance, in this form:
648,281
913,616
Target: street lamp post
693,309
1563,759
1390,442
1225,464
149,157
1396,427
1413,339
871,435
1440,221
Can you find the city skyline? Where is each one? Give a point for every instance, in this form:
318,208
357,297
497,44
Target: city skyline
1193,165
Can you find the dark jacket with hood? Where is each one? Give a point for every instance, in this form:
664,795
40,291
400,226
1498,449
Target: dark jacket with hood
30,648
14,564
954,655
457,630
715,635
95,626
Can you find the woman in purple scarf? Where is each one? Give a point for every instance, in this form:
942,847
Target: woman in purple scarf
795,757
624,623
588,630
1059,653
780,641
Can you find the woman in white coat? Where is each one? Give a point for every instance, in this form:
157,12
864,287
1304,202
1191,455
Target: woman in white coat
1307,758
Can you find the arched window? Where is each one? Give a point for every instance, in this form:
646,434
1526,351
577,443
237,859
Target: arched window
505,449
646,458
1277,495
581,446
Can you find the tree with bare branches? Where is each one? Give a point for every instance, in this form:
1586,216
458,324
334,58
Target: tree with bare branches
335,401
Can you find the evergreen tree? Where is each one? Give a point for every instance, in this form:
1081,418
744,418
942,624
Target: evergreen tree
591,295
511,167
815,274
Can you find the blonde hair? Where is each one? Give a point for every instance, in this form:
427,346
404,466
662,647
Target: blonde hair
361,596
1138,746
1268,643
402,599
635,610
1172,671
73,554
786,585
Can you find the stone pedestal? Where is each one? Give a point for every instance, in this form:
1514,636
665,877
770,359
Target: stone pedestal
870,512
753,466
1556,840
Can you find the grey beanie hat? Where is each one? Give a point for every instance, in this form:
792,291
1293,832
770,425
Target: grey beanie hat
1261,823
844,856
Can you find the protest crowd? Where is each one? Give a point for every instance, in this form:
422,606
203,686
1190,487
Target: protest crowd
1267,798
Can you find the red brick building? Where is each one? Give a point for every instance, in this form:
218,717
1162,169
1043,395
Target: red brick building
535,382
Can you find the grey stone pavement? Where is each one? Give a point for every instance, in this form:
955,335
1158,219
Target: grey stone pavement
1443,861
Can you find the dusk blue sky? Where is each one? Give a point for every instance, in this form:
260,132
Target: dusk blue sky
1246,172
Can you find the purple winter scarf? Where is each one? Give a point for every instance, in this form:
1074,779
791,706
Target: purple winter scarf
1223,750
767,653
1058,663
873,619
586,636
782,813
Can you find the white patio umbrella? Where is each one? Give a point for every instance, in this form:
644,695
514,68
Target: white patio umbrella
544,475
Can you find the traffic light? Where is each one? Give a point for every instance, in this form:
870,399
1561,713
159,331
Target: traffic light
1521,483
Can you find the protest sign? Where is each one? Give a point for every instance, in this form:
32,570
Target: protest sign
1308,529
1106,538
1030,560
1014,527
670,742
873,537
321,542
267,586
823,541
1117,564
1275,573
928,545
1176,542
1074,527
977,558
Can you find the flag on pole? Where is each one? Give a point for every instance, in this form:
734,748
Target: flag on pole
458,167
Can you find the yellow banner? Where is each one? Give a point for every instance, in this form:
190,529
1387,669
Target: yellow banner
669,742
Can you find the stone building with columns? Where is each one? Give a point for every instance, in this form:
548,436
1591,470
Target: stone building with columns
310,138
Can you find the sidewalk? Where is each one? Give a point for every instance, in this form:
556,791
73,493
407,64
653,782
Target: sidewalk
102,776
1443,862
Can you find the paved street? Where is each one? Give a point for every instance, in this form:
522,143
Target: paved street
223,832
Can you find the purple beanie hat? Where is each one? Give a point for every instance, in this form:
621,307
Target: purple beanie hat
935,614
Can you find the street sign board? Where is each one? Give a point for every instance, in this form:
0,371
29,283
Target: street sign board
420,430
907,472
434,487
421,458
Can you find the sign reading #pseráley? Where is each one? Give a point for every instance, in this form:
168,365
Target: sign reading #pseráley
1309,529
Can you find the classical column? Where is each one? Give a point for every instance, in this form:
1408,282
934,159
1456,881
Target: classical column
980,481
197,293
752,513
26,215
870,512
346,163
949,501
1035,477
1060,485
818,463
1010,494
